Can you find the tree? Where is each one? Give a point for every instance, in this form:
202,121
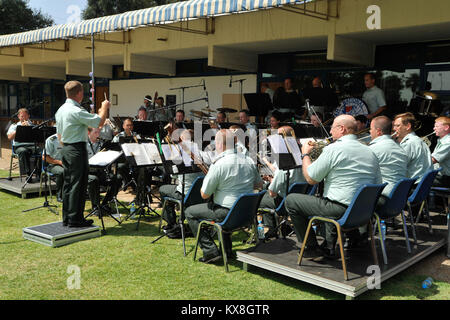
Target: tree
16,16
101,8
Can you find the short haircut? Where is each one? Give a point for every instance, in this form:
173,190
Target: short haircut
246,112
23,110
276,115
180,111
142,108
222,113
445,120
383,123
148,97
72,88
406,118
371,75
361,118
128,119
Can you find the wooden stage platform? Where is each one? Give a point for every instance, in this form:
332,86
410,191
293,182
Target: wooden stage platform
16,186
281,255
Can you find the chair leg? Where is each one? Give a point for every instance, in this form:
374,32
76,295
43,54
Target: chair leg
372,244
196,239
405,230
341,249
10,168
420,211
222,245
40,185
49,186
427,212
413,227
382,243
161,217
304,242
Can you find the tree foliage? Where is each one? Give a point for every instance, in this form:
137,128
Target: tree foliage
101,8
16,16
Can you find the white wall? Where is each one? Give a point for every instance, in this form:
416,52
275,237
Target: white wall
131,93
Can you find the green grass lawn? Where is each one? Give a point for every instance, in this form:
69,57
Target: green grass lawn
123,264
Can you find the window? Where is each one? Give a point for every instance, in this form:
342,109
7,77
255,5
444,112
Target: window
3,99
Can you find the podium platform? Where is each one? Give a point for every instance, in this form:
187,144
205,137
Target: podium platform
281,255
16,186
56,235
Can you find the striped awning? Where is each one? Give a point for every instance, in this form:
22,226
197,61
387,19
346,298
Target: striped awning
170,13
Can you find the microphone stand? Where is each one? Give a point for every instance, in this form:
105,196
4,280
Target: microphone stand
182,93
312,111
240,91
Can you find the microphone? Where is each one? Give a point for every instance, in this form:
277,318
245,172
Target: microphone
231,77
207,100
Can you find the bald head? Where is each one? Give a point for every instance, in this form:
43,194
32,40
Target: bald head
347,121
224,140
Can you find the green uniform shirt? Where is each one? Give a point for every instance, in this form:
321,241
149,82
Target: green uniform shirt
123,134
92,148
278,184
12,129
72,122
374,98
392,160
442,155
419,156
345,165
231,175
53,147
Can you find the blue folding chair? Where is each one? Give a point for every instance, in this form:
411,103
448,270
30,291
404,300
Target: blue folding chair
280,211
192,197
419,197
359,213
444,193
241,215
394,205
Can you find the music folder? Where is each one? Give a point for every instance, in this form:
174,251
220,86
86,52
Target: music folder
142,154
176,160
104,158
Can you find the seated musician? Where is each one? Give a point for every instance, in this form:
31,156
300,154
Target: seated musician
142,114
126,136
54,159
245,120
24,150
176,190
127,132
361,124
274,120
221,117
277,187
231,175
315,120
161,114
344,166
419,155
98,177
441,154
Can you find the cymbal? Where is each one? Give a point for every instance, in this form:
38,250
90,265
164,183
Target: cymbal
199,114
208,110
227,110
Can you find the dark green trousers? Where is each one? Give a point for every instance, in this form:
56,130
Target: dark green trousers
271,203
25,153
170,190
76,170
300,207
58,173
207,211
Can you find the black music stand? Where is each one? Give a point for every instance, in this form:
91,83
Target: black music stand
104,209
148,128
45,130
177,166
138,157
34,134
286,161
259,104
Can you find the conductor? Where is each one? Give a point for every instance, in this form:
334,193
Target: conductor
72,122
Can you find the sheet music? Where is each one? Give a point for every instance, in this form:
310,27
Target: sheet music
104,158
277,144
171,153
152,152
294,148
142,153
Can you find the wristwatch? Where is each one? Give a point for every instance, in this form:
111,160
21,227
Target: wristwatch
305,155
